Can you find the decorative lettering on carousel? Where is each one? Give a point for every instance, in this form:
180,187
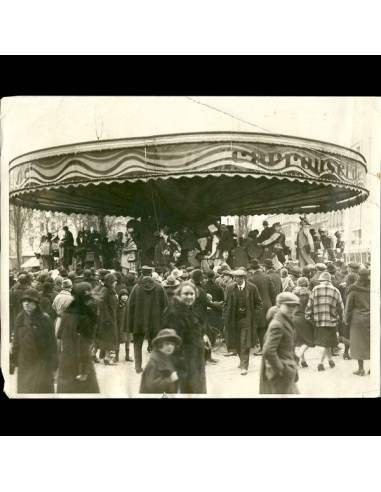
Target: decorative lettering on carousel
318,166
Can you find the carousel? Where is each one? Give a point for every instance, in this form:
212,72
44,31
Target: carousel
190,179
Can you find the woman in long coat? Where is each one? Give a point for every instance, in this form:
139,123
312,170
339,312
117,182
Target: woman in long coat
279,367
76,331
34,349
303,327
107,311
180,317
305,244
357,316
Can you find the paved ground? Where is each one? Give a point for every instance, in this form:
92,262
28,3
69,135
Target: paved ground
224,379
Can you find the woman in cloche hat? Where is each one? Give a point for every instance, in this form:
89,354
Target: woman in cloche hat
159,375
34,349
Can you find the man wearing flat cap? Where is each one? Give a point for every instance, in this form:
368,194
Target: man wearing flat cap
242,311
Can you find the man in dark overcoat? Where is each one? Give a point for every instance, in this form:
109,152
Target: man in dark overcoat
146,305
68,247
242,308
266,291
275,278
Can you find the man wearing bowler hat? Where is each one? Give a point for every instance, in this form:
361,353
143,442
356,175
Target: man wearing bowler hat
242,309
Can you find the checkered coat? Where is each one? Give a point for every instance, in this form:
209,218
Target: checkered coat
325,306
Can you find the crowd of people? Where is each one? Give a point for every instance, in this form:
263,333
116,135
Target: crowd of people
191,293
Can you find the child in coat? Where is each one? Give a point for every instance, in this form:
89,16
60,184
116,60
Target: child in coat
160,376
121,316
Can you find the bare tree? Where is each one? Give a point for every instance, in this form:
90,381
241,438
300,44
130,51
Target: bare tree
243,222
18,218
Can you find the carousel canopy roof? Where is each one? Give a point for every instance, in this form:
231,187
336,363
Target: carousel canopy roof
188,175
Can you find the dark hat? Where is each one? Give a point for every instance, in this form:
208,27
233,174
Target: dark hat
265,223
322,229
67,283
170,281
80,288
87,273
130,279
63,272
197,275
321,267
337,233
354,266
31,295
306,270
268,263
92,270
42,278
325,277
23,279
147,271
47,286
276,224
109,279
49,279
287,298
210,275
363,273
72,275
254,263
331,268
123,292
103,273
185,275
166,334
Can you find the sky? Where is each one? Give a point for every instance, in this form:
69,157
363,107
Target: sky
30,123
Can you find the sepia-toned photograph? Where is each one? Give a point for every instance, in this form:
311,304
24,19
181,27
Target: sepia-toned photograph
190,247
